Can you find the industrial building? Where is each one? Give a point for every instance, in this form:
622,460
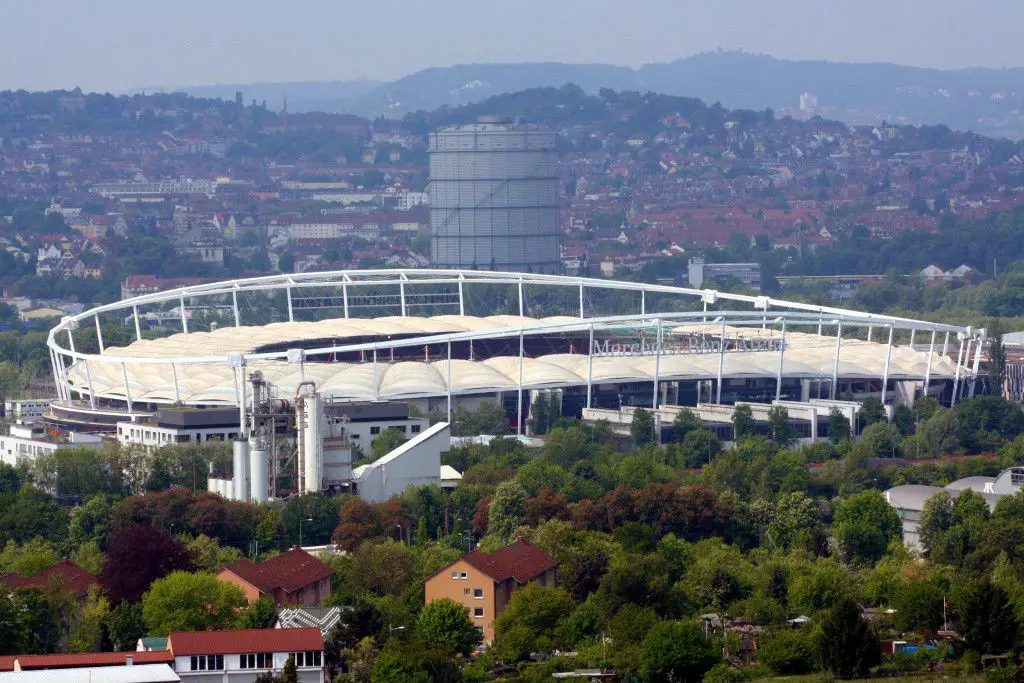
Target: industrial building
25,411
316,365
909,499
746,275
494,192
417,462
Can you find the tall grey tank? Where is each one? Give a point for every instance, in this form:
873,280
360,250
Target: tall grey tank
494,197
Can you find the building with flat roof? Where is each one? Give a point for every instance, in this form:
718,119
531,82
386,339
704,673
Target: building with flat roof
24,443
747,275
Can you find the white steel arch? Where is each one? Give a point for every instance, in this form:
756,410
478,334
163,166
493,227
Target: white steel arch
197,367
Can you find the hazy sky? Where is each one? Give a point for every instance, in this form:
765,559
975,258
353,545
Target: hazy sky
122,44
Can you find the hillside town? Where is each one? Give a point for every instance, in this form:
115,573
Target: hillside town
131,194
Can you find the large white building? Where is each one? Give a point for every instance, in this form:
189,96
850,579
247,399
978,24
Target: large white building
24,443
909,499
173,425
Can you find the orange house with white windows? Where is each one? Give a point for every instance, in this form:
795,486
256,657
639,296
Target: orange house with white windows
484,582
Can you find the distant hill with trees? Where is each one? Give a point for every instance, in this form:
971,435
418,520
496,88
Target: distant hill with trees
981,99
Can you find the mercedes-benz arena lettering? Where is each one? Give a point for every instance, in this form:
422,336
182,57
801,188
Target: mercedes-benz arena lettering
438,339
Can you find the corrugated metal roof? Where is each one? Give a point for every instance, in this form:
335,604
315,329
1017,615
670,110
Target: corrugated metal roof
87,659
139,673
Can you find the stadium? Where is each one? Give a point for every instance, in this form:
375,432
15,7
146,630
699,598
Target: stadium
439,338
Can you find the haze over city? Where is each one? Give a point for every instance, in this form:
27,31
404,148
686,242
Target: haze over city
118,45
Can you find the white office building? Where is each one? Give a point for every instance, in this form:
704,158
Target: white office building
24,443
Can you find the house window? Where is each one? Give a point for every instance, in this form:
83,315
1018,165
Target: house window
478,593
455,575
465,591
463,575
374,430
307,658
257,660
478,612
207,663
415,429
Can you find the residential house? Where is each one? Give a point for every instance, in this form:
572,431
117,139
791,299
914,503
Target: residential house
65,575
292,578
138,285
484,582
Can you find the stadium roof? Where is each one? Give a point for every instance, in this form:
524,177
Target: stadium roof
212,380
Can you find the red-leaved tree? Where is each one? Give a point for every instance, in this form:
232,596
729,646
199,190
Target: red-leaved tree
137,556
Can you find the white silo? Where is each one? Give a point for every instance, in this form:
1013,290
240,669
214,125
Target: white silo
240,469
259,461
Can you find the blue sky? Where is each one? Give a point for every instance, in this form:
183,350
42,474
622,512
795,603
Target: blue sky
123,44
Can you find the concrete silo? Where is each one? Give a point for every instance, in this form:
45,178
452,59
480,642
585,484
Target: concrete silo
494,197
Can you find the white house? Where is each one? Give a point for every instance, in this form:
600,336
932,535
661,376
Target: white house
240,656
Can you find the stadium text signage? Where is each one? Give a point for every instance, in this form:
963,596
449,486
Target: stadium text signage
683,345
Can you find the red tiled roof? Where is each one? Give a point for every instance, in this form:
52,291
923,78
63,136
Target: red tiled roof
186,643
289,571
521,560
65,574
66,661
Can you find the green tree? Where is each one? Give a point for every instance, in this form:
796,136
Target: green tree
446,624
10,380
86,633
864,526
643,427
936,519
387,441
782,433
259,614
290,674
685,422
987,620
209,555
535,610
125,625
396,663
186,601
29,558
43,618
674,651
871,411
838,426
787,652
506,512
91,521
743,425
847,645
